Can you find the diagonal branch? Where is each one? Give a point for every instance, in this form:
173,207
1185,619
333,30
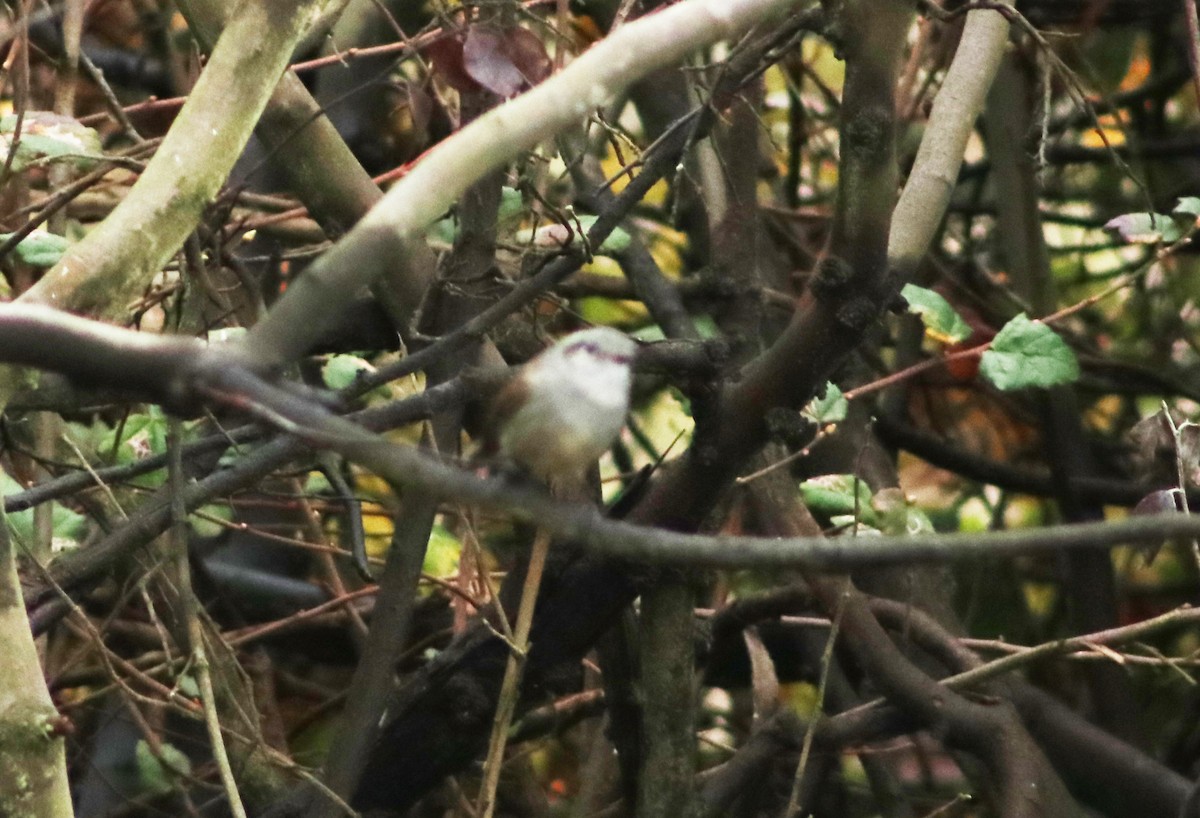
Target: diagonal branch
658,40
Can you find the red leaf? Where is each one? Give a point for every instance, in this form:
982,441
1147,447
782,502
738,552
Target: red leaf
446,54
1156,502
505,61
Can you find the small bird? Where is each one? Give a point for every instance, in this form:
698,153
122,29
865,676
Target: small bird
566,406
559,413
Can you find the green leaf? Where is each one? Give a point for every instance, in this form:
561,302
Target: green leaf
157,774
941,320
685,403
443,231
49,136
512,206
1188,206
1027,353
832,494
555,236
207,525
40,248
142,435
1147,228
895,515
703,323
89,437
340,371
442,553
67,527
317,483
509,214
706,325
188,685
829,407
618,240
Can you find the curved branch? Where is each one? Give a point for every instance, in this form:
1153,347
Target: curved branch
958,104
407,466
175,370
660,39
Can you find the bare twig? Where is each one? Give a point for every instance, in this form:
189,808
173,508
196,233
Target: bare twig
510,688
199,658
810,731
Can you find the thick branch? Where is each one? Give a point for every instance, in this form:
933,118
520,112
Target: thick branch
661,39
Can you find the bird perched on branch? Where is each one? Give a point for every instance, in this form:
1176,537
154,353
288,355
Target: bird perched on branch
555,418
566,406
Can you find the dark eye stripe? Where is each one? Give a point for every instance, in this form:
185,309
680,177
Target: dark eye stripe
595,351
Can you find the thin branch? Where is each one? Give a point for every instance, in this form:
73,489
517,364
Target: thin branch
195,633
510,692
794,804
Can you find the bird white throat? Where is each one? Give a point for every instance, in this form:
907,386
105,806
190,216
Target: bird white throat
567,405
